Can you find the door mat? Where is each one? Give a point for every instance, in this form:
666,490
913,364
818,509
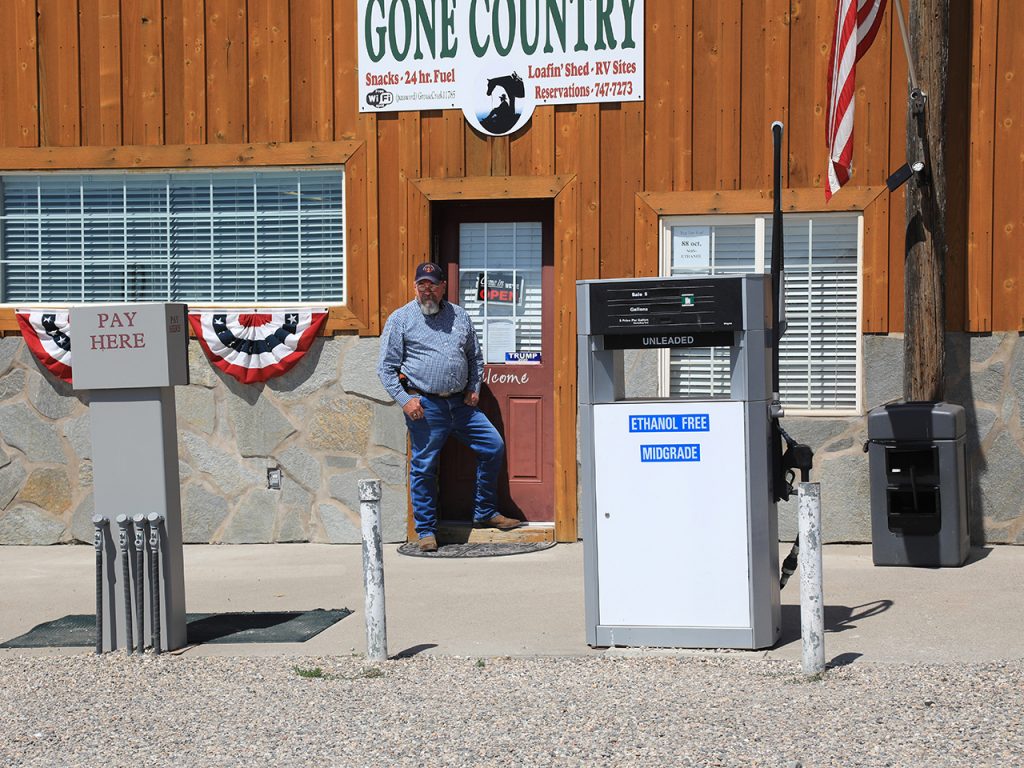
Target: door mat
79,630
477,549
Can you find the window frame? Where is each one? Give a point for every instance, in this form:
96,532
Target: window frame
360,312
872,201
125,213
521,319
762,265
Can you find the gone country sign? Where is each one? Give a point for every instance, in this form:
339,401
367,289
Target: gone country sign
498,59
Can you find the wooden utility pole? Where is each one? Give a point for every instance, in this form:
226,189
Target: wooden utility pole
926,249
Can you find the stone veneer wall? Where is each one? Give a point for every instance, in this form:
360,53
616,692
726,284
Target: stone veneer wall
327,423
984,373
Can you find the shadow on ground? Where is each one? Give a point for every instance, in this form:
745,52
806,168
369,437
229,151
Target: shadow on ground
838,618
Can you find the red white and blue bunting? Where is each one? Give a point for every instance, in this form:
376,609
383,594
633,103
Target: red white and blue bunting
256,346
251,346
47,334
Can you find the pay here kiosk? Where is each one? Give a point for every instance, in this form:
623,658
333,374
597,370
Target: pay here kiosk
130,357
680,526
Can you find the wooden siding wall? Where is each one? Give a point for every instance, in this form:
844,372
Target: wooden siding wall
995,273
103,73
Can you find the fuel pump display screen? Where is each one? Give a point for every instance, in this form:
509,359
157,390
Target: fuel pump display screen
667,307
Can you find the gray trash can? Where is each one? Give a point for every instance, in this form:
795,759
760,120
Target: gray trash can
917,459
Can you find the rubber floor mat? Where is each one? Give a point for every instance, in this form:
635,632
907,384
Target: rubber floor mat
481,549
79,630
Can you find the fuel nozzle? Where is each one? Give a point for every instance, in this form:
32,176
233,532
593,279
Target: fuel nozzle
796,457
801,457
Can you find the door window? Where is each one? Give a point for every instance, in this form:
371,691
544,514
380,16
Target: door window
500,287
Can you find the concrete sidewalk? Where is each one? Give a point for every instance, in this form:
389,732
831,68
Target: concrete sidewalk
532,604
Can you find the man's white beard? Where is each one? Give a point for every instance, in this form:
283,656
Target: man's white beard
429,306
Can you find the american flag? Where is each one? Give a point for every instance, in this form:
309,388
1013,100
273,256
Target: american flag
857,23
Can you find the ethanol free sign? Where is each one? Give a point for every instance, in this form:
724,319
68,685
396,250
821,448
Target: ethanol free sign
498,59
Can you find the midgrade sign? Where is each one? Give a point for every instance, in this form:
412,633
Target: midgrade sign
498,59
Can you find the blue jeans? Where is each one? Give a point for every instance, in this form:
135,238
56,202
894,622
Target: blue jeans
444,416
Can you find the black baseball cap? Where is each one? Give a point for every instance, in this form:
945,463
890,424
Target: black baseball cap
429,271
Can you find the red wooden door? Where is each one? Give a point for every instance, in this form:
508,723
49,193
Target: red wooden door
499,259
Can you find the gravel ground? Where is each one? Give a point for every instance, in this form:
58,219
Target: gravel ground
633,710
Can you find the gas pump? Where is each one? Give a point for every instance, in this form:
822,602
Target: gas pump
678,499
680,527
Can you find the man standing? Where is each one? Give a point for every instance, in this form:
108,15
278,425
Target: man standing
431,364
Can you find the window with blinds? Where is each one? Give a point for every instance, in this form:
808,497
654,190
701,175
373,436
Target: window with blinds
819,356
223,237
500,284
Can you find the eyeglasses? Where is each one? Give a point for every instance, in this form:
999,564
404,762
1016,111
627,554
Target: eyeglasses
425,286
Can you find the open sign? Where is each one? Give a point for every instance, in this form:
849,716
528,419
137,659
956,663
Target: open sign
500,288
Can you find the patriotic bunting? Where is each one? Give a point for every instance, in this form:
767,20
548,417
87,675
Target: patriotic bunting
47,334
857,23
256,346
251,346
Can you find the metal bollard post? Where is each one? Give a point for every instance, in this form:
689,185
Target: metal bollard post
140,581
373,570
100,523
812,607
122,542
154,577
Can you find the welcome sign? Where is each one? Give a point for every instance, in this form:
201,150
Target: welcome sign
497,60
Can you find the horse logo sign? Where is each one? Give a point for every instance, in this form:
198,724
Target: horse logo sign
497,105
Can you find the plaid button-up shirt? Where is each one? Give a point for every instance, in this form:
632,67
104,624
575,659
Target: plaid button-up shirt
438,353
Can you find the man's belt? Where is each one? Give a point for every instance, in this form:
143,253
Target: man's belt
404,381
421,393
